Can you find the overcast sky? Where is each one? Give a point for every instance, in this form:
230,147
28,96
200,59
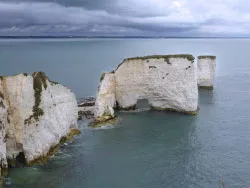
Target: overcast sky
125,17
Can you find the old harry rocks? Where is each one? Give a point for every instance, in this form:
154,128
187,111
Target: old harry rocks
168,82
206,66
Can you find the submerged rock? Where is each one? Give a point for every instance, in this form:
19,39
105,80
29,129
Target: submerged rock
106,121
86,112
168,82
206,71
35,116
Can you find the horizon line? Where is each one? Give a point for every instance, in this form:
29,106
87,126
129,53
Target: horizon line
166,37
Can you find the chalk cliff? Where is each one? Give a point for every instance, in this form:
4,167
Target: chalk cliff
105,100
35,115
3,123
206,71
168,82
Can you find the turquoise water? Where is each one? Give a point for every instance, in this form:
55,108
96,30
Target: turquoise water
146,149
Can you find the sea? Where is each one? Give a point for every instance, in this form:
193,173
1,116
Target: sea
146,149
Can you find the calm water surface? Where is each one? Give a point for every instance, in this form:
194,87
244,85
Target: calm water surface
148,149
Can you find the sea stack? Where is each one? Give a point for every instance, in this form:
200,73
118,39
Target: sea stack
36,114
105,99
206,71
168,82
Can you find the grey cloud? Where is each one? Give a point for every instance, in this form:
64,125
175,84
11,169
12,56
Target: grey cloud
119,17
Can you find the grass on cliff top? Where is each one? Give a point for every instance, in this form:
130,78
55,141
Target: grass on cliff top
207,57
102,76
165,57
26,74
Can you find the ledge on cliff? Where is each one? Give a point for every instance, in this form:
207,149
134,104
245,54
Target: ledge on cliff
207,57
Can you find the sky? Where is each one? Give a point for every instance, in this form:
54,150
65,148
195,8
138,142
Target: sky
168,18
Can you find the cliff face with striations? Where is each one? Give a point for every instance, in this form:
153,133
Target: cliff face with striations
168,82
206,71
35,115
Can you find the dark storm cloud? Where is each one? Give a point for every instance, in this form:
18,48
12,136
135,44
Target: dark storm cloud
119,17
88,4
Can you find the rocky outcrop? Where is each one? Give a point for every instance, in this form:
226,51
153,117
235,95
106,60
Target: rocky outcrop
168,82
86,101
206,71
35,115
105,100
86,108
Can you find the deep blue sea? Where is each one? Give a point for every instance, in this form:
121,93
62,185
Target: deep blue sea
148,149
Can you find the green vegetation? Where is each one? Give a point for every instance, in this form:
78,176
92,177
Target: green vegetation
165,57
102,76
39,81
1,95
70,136
1,104
44,159
206,87
104,120
207,57
53,82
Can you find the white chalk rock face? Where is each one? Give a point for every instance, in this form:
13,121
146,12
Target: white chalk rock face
168,82
105,100
3,123
39,113
206,71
